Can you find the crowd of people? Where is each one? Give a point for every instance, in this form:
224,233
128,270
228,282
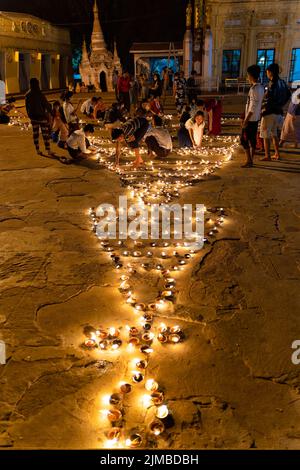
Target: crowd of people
138,116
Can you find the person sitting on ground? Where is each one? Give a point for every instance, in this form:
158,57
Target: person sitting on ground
59,125
156,107
78,143
195,126
159,141
88,105
132,133
116,113
99,109
39,111
252,114
183,134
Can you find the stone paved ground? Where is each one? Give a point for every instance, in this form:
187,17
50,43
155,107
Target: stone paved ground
230,384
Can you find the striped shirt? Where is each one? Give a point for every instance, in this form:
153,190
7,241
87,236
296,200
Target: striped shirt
132,125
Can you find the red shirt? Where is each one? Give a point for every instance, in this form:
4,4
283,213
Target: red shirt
124,84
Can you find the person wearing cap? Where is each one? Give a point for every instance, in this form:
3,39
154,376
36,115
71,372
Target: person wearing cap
132,132
291,126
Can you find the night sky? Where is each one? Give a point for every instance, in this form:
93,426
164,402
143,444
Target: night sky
126,20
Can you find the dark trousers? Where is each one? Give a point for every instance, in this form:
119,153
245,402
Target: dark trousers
249,134
154,146
125,99
45,130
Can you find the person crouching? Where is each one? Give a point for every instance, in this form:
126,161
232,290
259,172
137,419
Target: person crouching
78,143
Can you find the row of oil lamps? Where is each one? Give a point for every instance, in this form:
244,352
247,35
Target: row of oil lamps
142,337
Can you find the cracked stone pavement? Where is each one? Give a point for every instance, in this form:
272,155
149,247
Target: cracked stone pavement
232,385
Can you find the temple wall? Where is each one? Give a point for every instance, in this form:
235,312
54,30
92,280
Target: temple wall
34,42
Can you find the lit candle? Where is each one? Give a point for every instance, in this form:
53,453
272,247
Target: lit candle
175,329
103,344
114,415
174,338
140,306
137,254
134,341
135,440
114,434
141,364
162,411
116,344
125,387
137,377
133,331
151,385
148,317
148,337
157,398
163,328
115,399
113,332
90,343
162,338
146,349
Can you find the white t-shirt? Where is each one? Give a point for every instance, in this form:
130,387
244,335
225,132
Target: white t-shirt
198,130
68,110
254,101
2,92
87,107
77,141
162,136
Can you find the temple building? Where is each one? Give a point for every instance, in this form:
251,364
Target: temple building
97,68
224,37
31,47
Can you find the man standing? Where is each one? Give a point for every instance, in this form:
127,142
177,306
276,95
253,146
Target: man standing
252,114
276,96
123,90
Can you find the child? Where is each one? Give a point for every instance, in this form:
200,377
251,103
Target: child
59,124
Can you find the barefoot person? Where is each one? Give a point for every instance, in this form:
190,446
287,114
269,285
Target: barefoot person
38,110
276,96
132,133
252,114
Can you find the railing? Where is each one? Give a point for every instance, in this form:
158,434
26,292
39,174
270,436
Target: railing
207,84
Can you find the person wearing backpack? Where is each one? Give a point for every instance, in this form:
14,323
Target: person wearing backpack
276,96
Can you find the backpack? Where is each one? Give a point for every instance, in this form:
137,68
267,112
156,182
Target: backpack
282,93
